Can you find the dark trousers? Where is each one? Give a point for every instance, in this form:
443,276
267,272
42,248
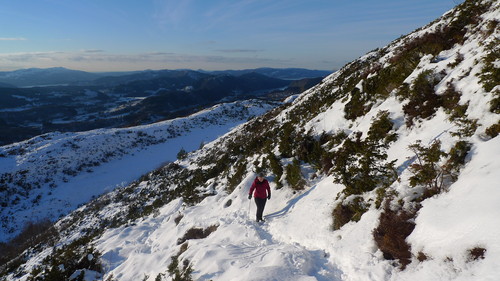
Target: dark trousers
261,203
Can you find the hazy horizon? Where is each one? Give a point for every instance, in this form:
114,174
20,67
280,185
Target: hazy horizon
160,69
109,36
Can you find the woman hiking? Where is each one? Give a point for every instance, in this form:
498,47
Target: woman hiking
262,193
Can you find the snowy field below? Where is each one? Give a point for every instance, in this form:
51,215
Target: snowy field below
66,193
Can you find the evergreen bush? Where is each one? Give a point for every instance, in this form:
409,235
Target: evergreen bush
428,171
276,168
294,175
310,151
178,272
360,164
451,98
490,74
422,98
235,179
286,138
359,104
493,130
182,154
68,259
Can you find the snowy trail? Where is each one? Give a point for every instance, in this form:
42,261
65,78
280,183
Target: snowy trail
240,248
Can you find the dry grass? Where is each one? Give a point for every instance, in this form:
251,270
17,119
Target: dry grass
391,233
197,233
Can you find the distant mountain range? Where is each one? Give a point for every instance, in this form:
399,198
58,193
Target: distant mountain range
45,76
62,76
72,104
281,73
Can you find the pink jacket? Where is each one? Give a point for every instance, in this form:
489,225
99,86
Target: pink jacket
262,189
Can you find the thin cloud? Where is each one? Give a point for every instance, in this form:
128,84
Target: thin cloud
103,61
13,39
93,51
171,11
239,51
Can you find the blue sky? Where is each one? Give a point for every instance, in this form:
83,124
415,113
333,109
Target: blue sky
119,35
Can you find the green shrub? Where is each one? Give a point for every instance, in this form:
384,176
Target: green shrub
466,127
495,102
75,256
175,270
33,234
360,164
236,178
358,105
276,168
182,154
286,138
294,175
310,151
381,194
493,130
426,170
451,98
422,98
456,159
380,129
490,74
458,59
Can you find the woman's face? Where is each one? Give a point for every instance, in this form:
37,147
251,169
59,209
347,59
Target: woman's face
260,178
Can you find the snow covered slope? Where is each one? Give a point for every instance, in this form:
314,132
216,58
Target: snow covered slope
387,170
48,176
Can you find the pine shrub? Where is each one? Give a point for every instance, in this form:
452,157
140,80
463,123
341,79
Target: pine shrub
426,169
68,259
360,164
358,105
286,139
490,75
456,158
177,271
182,154
236,178
276,168
493,130
429,171
33,234
422,98
294,175
466,127
310,151
451,98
